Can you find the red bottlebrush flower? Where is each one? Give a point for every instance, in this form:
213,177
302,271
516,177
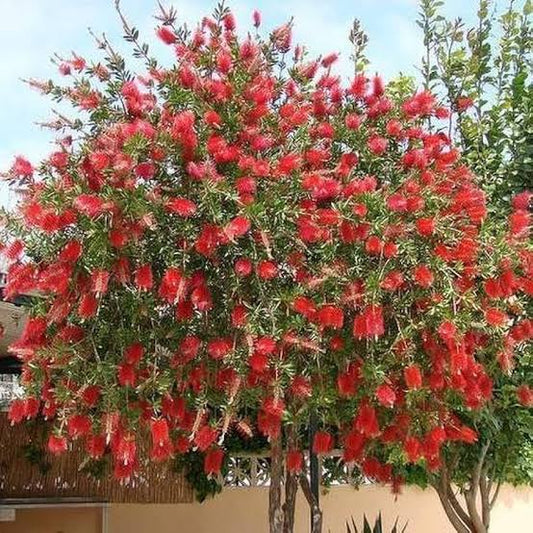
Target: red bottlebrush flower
378,145
354,444
22,167
145,170
189,348
294,461
95,446
385,395
359,210
143,278
201,298
322,443
394,128
366,421
371,468
87,306
121,270
423,276
274,407
304,306
181,206
223,61
166,34
413,449
522,201
126,375
336,343
265,345
243,267
392,281
463,103
373,245
524,394
369,323
258,362
496,317
133,354
90,205
184,311
353,121
213,461
447,331
246,185
328,60
57,444
329,316
519,223
288,164
238,227
359,86
413,377
17,411
467,435
301,387
71,252
208,240
125,449
90,395
256,16
346,384
182,444
14,250
267,270
99,281
205,437
219,348
436,437
173,286
59,159
239,316
118,238
160,432
425,226
212,118
78,426
397,202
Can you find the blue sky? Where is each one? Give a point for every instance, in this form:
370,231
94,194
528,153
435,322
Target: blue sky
32,30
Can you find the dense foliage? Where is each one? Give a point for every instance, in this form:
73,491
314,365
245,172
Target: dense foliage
484,73
239,241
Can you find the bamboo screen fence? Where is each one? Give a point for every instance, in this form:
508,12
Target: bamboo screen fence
60,477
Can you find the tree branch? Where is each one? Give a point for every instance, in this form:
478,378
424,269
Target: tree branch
471,493
454,502
495,495
456,522
484,490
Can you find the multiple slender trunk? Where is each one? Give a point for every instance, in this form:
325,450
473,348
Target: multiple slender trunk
468,509
282,494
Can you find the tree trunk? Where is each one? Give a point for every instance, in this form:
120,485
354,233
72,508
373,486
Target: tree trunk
289,507
473,515
275,509
316,512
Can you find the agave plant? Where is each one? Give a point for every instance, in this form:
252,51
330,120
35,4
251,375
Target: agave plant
378,526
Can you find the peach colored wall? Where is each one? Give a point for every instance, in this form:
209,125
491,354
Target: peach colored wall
55,520
244,511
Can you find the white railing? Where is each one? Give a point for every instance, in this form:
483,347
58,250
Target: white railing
9,389
253,470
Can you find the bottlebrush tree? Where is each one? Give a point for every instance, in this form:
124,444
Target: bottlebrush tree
239,234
